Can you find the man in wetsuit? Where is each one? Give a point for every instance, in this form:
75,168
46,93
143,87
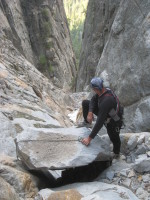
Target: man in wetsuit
106,106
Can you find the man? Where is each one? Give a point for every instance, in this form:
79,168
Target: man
106,106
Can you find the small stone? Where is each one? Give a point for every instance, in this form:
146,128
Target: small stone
148,190
133,157
129,160
140,178
146,178
131,174
132,142
122,157
148,153
124,172
142,164
110,175
114,161
141,139
135,184
117,174
141,193
126,183
141,150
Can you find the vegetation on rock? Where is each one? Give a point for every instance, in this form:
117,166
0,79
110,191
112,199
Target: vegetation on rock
76,12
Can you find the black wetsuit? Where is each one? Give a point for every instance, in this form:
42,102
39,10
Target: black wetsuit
101,106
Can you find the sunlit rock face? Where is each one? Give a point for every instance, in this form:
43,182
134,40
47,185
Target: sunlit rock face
39,30
123,62
99,19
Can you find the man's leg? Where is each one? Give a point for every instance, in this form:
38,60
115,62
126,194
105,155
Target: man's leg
85,108
113,132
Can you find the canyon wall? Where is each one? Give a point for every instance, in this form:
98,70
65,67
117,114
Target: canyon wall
124,60
99,18
39,30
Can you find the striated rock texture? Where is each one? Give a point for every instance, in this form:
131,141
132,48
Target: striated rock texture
39,30
29,103
27,98
99,19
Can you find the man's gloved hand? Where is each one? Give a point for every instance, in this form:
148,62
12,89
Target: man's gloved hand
90,117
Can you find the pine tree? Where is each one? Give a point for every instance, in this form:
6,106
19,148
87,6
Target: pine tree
76,12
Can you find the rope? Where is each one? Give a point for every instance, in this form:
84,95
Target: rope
79,140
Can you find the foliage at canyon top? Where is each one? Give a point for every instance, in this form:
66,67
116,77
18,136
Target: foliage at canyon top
76,13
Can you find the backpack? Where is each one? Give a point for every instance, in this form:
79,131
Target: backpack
117,114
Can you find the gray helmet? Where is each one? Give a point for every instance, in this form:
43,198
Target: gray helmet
97,82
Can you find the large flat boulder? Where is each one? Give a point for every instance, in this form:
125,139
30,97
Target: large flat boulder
59,148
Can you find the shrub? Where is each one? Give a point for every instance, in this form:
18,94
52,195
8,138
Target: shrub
72,83
46,29
45,14
51,68
43,60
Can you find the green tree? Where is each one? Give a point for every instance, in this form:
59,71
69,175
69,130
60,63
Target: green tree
76,12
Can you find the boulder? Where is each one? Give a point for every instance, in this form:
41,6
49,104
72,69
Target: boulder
132,142
94,190
142,164
15,182
70,194
59,148
7,191
130,146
